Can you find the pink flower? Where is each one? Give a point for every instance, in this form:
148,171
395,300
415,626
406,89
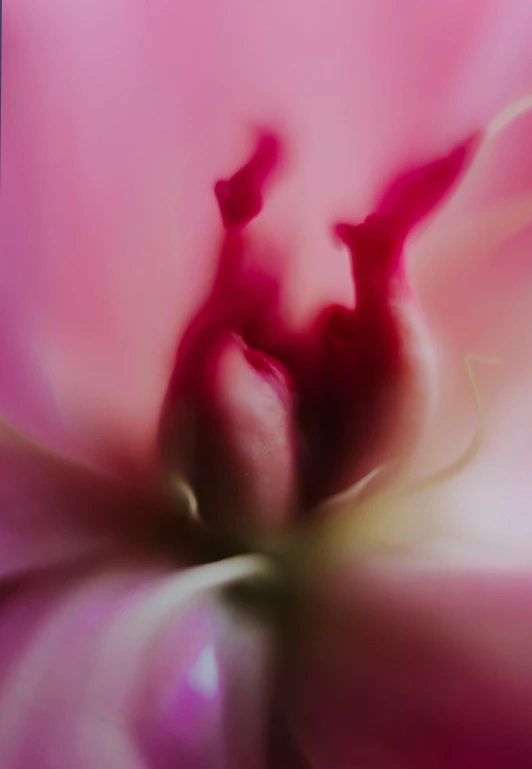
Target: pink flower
127,632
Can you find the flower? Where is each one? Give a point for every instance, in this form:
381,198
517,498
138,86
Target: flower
264,423
122,645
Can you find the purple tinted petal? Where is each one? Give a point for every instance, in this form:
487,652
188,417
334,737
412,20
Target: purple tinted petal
128,667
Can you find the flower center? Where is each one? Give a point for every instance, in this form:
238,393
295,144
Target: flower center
264,423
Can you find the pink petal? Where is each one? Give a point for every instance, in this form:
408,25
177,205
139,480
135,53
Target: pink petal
416,668
493,203
472,268
116,120
53,511
45,505
130,667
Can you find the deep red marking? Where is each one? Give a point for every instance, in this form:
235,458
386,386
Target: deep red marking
342,371
240,197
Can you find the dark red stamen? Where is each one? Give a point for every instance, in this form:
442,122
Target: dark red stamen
416,193
362,359
240,197
227,423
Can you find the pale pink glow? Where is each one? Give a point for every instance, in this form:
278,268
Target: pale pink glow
117,118
478,298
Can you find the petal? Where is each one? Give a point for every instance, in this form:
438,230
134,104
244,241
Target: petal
414,667
117,118
44,502
54,511
480,514
472,267
131,667
470,264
